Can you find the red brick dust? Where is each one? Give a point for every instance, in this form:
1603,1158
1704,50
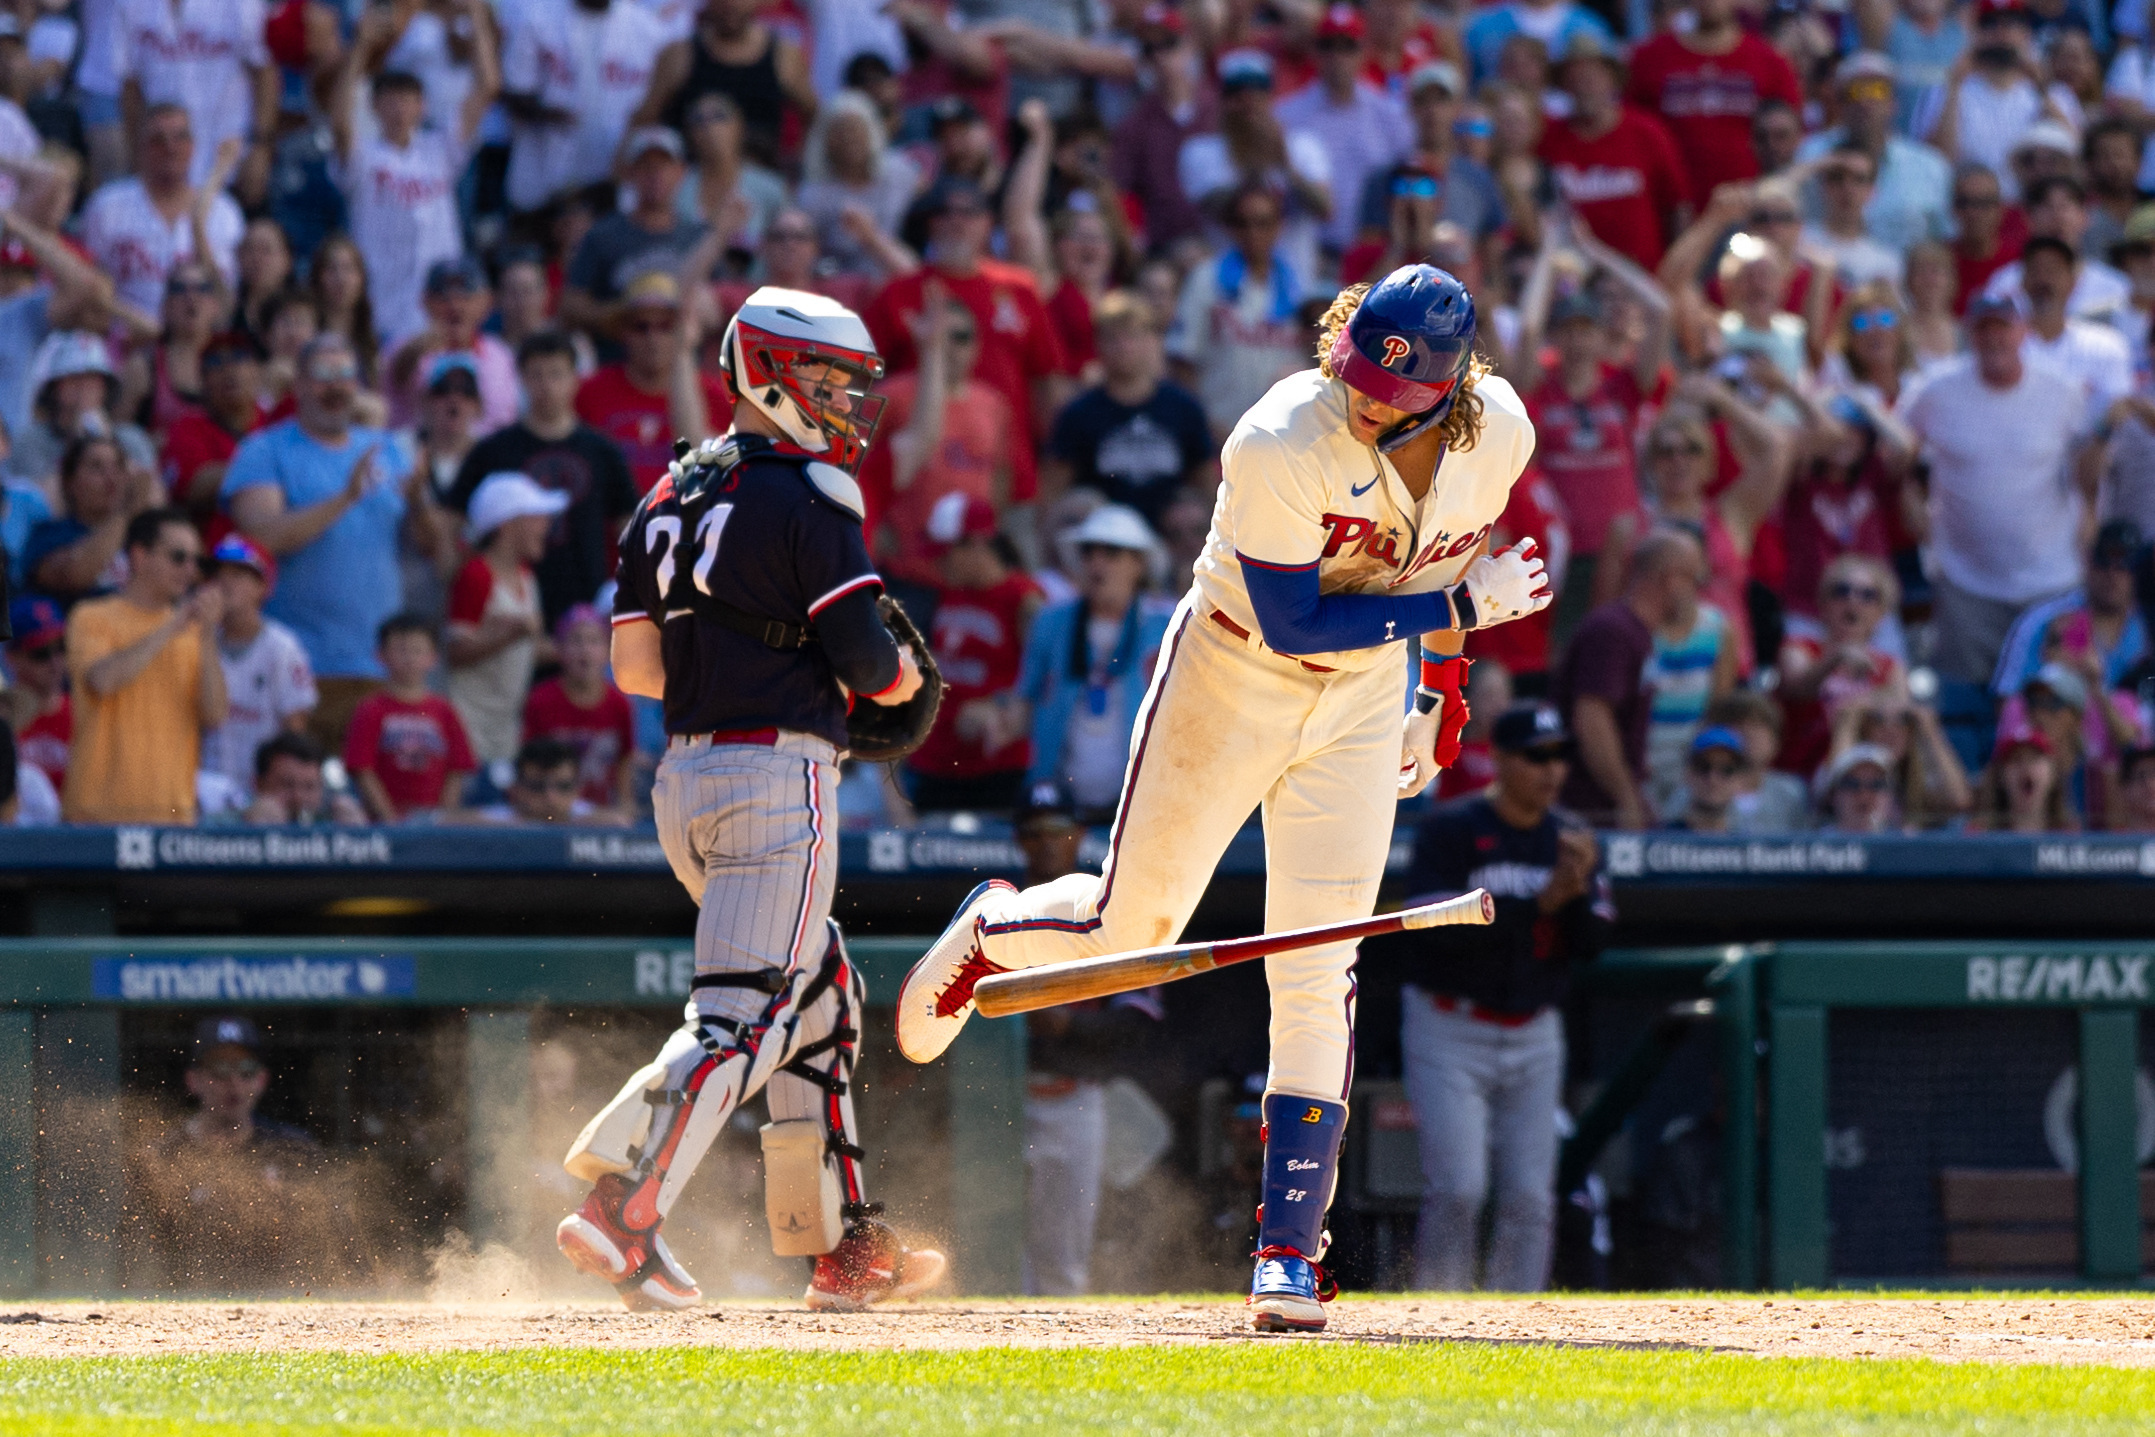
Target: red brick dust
2107,1331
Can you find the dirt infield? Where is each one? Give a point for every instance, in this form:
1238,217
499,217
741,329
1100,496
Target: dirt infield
2111,1331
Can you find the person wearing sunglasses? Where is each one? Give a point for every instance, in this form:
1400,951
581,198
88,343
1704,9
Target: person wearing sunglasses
1714,771
1844,650
1481,1032
1909,198
1986,235
657,393
1841,236
1400,203
147,682
1871,350
547,790
1682,461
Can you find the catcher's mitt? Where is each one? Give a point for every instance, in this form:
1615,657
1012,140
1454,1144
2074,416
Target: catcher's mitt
878,733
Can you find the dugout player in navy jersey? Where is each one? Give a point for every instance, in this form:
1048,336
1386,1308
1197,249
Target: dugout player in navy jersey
1480,1030
746,603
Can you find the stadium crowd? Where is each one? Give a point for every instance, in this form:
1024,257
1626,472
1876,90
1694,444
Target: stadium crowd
338,340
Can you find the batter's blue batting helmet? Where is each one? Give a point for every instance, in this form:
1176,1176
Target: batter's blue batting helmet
1408,346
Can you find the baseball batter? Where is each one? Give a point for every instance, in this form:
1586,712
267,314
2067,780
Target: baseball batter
746,599
1355,512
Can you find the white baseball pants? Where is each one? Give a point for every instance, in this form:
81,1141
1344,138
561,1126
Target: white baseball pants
1227,727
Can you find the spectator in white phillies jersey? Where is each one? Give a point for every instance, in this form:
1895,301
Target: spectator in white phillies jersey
574,72
269,684
137,228
400,180
209,58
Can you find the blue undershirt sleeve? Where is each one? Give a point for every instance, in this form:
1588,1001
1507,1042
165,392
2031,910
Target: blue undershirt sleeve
1296,619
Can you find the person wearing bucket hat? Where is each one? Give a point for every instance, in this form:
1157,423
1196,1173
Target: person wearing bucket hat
495,631
1355,505
1615,166
73,390
1090,658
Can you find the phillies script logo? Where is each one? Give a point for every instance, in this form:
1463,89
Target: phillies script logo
1395,349
1352,532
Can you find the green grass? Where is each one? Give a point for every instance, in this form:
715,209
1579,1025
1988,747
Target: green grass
1285,1388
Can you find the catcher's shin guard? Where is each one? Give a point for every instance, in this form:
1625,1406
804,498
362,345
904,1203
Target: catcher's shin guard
812,1163
1301,1169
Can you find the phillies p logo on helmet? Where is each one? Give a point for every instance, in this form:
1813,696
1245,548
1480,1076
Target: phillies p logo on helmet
1395,349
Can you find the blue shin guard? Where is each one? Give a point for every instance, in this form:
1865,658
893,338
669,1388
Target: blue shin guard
1301,1169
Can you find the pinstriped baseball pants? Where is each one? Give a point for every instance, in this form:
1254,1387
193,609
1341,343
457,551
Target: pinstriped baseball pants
752,833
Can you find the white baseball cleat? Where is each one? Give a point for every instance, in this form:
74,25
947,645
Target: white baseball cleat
937,996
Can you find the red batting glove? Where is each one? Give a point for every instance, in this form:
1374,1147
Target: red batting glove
1447,679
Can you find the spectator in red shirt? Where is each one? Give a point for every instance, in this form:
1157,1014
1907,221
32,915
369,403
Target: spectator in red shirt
790,257
1586,415
1019,356
657,394
1074,260
198,446
949,433
1706,86
406,748
37,704
1616,167
1990,235
581,708
978,751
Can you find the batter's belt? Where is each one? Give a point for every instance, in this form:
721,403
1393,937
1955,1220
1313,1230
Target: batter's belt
1244,634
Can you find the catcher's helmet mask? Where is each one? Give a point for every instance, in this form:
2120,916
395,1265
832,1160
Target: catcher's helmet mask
774,348
1409,344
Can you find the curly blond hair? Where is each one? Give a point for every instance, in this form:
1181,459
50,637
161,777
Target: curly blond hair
1462,428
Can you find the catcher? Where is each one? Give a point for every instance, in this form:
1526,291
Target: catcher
747,604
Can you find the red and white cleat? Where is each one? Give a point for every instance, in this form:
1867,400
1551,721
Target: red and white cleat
595,1240
869,1266
937,995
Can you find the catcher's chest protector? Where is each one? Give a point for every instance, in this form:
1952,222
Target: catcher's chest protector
729,555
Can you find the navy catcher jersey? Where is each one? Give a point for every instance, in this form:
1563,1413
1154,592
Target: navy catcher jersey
760,537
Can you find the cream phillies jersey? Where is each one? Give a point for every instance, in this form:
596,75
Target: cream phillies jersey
1297,489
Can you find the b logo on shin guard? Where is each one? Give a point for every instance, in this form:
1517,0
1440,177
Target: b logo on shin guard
1313,1114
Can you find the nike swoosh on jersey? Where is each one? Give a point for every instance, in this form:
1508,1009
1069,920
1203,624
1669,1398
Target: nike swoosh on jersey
1358,493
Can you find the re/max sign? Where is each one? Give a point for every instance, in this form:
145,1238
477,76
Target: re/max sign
2020,979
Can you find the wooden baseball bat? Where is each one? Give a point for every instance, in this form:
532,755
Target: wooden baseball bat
1025,989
